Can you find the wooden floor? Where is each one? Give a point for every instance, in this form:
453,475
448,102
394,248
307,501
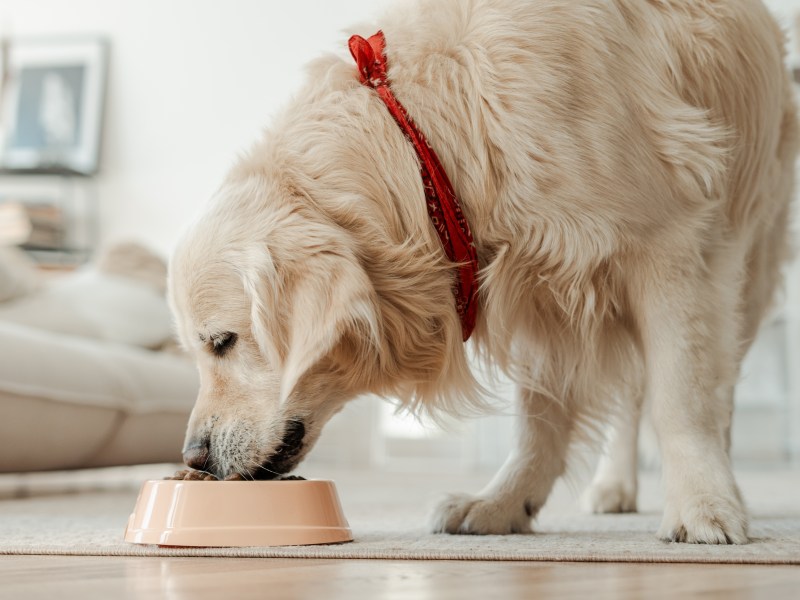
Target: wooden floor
117,578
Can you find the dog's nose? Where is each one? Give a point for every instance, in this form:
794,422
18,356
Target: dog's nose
196,456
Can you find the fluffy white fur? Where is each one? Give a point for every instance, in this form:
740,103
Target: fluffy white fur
626,167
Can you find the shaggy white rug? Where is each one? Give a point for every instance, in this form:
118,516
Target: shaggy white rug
85,513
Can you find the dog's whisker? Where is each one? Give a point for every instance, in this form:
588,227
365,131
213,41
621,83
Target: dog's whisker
249,472
261,467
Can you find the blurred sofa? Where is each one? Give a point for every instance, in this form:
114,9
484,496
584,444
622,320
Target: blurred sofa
89,374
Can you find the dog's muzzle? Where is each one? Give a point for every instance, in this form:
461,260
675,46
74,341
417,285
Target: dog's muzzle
197,455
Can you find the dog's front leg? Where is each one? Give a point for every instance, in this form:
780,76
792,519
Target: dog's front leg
522,485
689,338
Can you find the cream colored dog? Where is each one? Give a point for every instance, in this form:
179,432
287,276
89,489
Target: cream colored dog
626,168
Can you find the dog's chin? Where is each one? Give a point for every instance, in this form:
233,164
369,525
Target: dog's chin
286,456
268,471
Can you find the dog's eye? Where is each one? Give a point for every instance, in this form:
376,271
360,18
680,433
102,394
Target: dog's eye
221,343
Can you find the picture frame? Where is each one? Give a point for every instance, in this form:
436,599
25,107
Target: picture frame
52,105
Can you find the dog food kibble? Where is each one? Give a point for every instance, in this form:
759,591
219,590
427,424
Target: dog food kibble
192,475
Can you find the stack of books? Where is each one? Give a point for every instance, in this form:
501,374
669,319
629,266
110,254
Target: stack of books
47,227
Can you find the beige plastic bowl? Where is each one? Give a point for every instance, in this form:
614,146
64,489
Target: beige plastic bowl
237,513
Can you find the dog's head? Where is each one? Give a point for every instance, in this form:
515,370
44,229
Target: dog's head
275,307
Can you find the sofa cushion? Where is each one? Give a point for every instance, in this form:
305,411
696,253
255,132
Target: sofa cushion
94,304
71,402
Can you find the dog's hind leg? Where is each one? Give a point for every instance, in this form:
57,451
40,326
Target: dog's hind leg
614,487
522,485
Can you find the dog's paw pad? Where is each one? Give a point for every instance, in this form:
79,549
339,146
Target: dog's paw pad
465,514
705,521
609,497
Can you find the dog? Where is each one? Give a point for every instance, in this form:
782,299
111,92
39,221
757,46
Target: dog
625,169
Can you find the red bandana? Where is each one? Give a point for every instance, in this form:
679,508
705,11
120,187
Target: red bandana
443,206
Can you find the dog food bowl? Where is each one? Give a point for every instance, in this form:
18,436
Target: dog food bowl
237,513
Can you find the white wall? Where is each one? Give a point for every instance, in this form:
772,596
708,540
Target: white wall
191,83
785,10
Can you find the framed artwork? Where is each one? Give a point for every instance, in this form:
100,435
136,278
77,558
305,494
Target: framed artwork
52,105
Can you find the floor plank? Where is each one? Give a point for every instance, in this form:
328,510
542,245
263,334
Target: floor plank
68,577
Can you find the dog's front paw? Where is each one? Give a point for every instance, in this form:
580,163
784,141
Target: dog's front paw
462,513
609,497
705,519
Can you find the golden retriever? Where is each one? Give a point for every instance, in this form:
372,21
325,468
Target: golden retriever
626,167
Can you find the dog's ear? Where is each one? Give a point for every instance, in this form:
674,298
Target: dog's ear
302,304
330,298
